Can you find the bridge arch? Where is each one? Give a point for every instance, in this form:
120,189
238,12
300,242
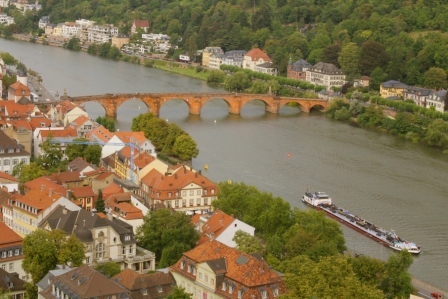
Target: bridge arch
269,106
286,103
318,107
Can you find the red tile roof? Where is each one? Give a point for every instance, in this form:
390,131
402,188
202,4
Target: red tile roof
47,182
20,124
99,133
138,137
65,177
67,132
6,176
39,199
83,192
215,225
18,87
79,121
164,185
256,54
8,236
36,122
112,189
143,159
239,269
141,23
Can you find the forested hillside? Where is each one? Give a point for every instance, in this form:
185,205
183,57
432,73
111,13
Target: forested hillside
403,38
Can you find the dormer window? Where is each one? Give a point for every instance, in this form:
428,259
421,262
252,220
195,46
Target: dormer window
230,289
144,291
182,264
159,289
264,295
275,292
224,286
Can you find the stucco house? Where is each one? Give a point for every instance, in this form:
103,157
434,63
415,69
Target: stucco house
392,88
255,57
325,74
297,70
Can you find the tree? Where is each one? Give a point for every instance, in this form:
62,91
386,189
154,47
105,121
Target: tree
247,243
331,54
73,44
349,60
185,147
43,250
179,293
71,250
377,77
156,130
163,228
216,76
91,152
51,158
107,123
174,131
437,133
8,59
435,78
237,82
331,277
140,122
397,282
28,172
99,203
110,269
368,269
172,253
373,54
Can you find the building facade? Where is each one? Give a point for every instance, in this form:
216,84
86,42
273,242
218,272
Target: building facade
11,154
11,254
297,70
392,88
325,74
215,271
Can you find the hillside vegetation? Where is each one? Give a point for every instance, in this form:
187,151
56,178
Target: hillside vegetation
356,35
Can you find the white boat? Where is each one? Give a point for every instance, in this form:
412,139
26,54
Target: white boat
322,202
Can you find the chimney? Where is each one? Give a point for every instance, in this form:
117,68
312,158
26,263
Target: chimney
51,192
68,194
185,169
43,187
64,210
175,176
195,174
199,171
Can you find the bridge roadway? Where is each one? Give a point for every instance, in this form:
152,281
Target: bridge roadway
195,101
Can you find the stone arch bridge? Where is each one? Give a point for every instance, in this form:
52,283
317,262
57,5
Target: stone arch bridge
195,101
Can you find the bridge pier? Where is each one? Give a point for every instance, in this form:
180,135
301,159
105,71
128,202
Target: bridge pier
195,106
235,105
271,108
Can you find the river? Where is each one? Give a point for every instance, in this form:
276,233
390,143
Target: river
392,182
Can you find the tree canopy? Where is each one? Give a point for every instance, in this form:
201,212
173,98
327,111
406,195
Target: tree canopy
167,233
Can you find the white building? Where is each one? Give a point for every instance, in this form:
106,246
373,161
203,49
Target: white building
4,3
85,25
70,30
101,33
11,153
255,57
43,22
156,37
221,227
438,100
234,57
5,19
325,74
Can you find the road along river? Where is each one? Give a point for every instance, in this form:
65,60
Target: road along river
391,182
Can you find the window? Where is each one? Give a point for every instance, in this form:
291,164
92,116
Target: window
224,286
123,250
206,278
177,203
23,160
199,192
127,238
11,266
230,289
198,202
212,281
4,254
205,201
17,252
264,295
200,275
4,266
205,192
131,249
6,162
159,289
188,288
182,264
191,201
15,161
184,202
169,194
88,200
275,292
213,191
100,250
184,193
9,253
144,291
240,294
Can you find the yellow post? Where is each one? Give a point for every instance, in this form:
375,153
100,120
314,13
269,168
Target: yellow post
206,166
